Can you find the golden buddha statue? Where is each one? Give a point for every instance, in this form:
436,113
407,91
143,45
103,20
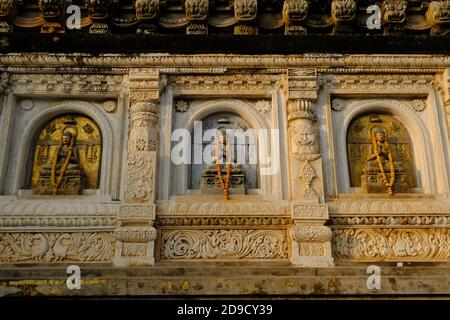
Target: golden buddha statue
63,174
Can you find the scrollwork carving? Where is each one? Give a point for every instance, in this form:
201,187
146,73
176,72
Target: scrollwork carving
392,244
223,244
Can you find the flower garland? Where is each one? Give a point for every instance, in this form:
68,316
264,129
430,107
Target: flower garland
57,183
224,185
389,184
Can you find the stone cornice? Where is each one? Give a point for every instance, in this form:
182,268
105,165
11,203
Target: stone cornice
374,62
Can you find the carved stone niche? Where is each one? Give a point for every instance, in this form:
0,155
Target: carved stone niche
67,156
380,155
230,152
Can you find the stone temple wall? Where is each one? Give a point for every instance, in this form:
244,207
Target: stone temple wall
307,214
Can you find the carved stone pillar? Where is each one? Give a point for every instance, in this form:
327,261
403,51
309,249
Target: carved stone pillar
446,98
310,238
136,234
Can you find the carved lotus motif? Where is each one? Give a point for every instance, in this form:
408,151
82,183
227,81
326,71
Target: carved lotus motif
147,9
50,8
439,12
245,10
196,10
343,10
98,9
6,7
395,10
295,10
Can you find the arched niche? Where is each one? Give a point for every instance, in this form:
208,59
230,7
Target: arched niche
380,154
419,135
31,132
265,183
66,156
243,148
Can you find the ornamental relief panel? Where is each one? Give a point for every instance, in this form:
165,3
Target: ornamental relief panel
223,244
391,244
56,247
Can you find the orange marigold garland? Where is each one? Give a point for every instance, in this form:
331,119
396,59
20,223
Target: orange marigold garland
54,182
224,185
389,184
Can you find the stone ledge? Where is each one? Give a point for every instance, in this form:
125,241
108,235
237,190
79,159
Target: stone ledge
277,279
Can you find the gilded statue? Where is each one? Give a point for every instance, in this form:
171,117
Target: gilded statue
59,167
379,152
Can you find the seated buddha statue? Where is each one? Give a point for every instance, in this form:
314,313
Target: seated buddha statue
63,175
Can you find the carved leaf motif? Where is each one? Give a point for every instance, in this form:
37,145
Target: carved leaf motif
223,244
140,176
392,244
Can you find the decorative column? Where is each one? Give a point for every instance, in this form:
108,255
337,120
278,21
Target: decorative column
136,234
311,245
446,98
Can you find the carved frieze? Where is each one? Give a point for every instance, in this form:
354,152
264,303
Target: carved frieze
392,244
56,247
234,84
223,221
66,83
241,208
223,244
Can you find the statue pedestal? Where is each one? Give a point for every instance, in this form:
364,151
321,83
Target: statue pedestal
373,183
71,184
210,184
